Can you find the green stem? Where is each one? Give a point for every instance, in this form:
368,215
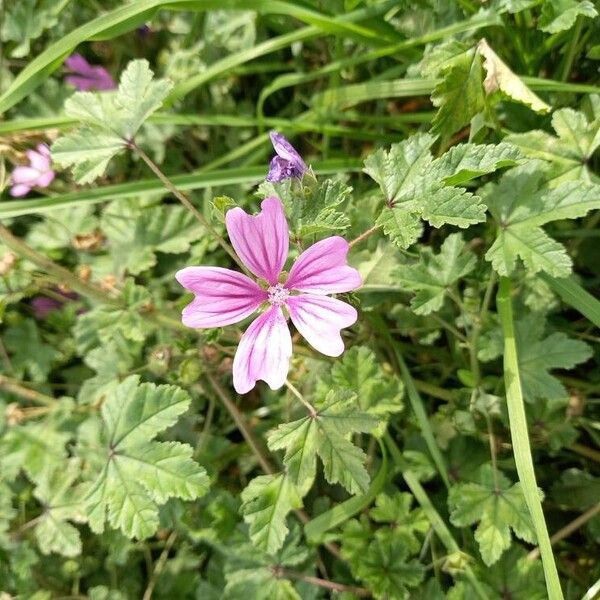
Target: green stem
572,49
416,403
187,203
18,389
520,439
61,274
242,425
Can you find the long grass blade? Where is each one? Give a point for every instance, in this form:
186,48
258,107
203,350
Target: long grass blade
191,181
520,439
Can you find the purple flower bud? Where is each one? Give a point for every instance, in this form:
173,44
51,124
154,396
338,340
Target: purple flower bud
288,163
87,77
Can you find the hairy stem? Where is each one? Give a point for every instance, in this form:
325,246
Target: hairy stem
568,529
187,203
240,421
18,389
159,566
61,274
323,583
364,235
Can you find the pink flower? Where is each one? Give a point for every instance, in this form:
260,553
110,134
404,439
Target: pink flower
224,297
87,77
39,173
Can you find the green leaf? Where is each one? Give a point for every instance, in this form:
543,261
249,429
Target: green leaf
25,21
465,162
378,393
434,274
133,473
326,434
497,506
60,229
312,207
403,228
87,151
520,203
396,169
109,121
35,447
105,324
135,234
560,15
499,78
415,186
376,266
28,353
459,95
538,355
138,97
405,522
266,502
384,568
61,502
569,151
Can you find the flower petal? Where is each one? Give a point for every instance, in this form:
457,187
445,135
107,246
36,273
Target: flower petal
319,320
223,296
264,352
39,158
261,241
17,191
45,179
26,175
322,269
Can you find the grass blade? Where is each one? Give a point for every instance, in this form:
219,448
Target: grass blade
191,181
573,294
520,438
340,513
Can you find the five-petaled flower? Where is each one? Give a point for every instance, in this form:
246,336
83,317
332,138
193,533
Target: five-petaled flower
85,77
224,296
288,163
39,173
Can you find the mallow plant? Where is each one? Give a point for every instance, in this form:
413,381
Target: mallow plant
368,375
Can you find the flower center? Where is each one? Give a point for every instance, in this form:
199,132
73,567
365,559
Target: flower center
278,294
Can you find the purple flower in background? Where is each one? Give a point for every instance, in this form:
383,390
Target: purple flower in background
288,163
39,173
224,296
42,305
87,77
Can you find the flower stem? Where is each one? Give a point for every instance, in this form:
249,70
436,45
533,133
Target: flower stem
61,274
311,409
187,203
159,566
15,387
568,529
364,235
323,583
244,428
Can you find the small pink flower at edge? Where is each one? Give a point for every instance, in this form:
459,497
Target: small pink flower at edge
224,296
39,173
